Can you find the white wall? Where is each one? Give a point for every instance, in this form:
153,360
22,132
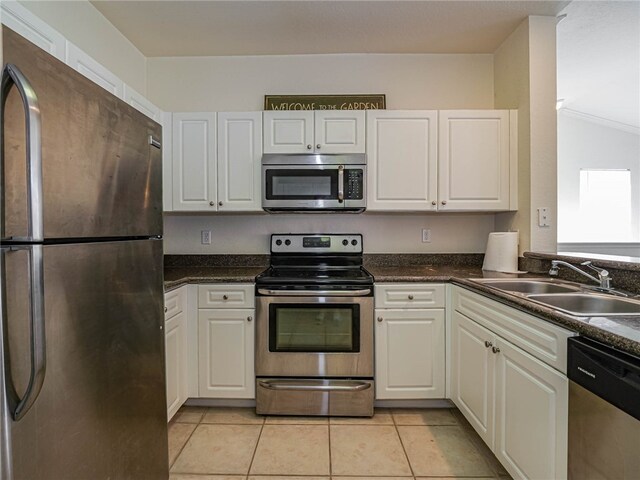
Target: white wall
240,83
383,233
87,28
525,78
586,144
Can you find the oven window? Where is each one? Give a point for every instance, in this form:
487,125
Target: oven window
301,184
314,328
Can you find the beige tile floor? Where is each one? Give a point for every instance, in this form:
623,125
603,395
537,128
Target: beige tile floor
237,444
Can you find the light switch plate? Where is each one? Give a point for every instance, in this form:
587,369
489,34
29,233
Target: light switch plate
205,237
543,217
426,235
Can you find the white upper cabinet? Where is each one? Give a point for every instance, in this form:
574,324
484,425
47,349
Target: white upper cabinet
288,131
339,131
22,21
402,149
322,131
94,71
475,160
239,154
140,103
194,162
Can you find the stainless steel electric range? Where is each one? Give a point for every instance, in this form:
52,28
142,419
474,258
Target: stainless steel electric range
314,328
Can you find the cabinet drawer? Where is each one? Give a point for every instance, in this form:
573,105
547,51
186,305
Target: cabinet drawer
534,335
226,296
175,302
409,295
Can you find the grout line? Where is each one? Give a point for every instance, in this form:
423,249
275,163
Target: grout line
183,446
413,474
264,419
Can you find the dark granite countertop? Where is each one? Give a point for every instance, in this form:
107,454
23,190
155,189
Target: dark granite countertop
175,277
622,332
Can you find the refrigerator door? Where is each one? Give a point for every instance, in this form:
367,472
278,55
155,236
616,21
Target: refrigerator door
101,412
101,177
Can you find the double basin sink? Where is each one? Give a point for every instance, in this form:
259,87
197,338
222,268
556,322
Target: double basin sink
568,297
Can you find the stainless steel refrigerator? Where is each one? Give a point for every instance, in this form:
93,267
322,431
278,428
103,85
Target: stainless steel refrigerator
83,384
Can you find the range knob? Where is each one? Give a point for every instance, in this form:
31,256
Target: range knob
287,242
345,242
354,242
278,242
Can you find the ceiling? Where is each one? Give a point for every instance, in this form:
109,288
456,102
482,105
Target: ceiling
599,60
273,27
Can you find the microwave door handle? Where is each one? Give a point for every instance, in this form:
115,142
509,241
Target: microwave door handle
341,183
11,76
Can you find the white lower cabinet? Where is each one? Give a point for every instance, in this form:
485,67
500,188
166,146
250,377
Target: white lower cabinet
517,403
176,349
225,353
409,341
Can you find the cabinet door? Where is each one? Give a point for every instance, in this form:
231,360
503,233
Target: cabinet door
410,354
472,374
474,160
288,131
225,352
339,131
94,71
175,362
239,154
531,415
402,148
142,104
194,161
20,19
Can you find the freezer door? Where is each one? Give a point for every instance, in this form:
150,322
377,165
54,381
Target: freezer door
101,412
101,177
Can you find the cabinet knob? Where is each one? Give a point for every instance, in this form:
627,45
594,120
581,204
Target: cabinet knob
249,318
443,202
212,203
166,309
225,297
379,319
309,147
488,344
434,203
220,203
318,146
410,297
495,349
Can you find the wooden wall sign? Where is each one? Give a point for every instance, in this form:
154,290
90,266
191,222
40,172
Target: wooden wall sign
325,102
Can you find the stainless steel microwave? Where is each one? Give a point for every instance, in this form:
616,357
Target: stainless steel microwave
314,183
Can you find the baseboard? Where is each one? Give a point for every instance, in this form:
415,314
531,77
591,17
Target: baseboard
221,402
431,403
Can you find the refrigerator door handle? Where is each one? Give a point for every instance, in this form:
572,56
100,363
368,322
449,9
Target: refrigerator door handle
20,406
11,75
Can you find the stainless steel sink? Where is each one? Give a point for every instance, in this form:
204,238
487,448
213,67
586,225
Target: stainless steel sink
530,287
589,304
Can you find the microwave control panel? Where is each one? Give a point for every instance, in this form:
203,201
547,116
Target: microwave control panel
353,188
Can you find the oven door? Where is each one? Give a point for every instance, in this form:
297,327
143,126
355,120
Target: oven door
313,187
314,336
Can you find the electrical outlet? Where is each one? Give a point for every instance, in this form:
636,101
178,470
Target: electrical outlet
205,237
543,217
426,235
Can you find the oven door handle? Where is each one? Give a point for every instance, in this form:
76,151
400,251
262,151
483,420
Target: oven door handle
323,387
314,293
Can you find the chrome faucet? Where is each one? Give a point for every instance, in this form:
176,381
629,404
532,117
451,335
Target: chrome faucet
604,279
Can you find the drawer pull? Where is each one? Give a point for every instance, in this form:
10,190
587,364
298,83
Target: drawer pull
166,309
249,318
495,349
379,319
410,297
488,344
225,297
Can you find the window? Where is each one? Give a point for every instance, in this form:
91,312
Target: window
605,205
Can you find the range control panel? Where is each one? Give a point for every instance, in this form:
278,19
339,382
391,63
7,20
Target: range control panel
316,243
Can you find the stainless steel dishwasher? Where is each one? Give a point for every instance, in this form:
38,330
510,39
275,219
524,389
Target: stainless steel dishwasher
604,412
